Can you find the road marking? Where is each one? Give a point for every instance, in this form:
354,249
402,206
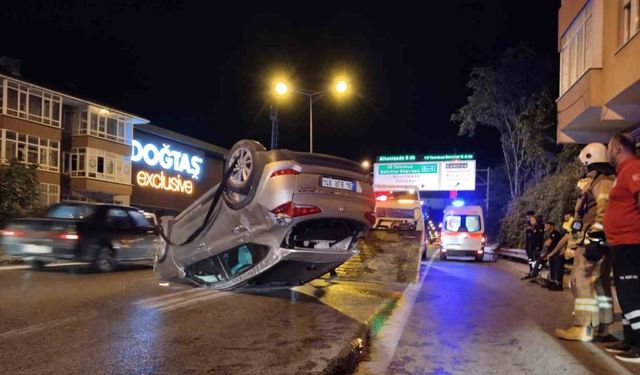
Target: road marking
26,267
182,299
384,345
190,302
40,327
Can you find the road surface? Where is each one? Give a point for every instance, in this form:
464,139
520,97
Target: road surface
479,318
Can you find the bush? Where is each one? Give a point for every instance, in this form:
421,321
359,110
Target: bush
19,190
553,197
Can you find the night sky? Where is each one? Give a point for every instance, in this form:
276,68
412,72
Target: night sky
204,70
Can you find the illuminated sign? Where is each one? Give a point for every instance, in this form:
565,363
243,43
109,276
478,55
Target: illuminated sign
164,182
447,174
166,158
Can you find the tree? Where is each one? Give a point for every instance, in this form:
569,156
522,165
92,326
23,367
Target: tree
554,196
19,190
511,97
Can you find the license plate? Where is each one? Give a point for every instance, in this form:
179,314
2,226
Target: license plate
335,183
37,249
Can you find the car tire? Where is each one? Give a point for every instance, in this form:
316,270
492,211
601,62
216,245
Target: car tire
245,154
37,265
443,256
105,260
479,258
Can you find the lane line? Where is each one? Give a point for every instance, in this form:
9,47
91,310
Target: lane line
182,298
384,345
26,267
42,326
187,303
183,292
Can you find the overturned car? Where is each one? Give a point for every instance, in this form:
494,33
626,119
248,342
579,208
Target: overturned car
277,218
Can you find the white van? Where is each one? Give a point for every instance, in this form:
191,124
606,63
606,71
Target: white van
462,232
398,208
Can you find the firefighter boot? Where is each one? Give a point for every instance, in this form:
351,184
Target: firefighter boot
576,333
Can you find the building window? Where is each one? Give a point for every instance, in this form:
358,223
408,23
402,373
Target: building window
98,164
49,194
30,149
576,47
630,19
33,104
104,124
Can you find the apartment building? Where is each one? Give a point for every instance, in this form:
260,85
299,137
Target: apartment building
599,46
82,149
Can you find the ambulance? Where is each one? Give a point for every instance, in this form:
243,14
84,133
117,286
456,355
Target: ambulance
462,231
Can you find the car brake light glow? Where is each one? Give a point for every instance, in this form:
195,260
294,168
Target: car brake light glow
294,210
68,236
285,172
484,239
479,252
382,198
12,233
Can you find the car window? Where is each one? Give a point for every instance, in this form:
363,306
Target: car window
139,219
71,211
118,218
400,213
462,223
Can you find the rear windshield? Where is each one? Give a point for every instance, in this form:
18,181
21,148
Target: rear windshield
71,211
399,213
462,223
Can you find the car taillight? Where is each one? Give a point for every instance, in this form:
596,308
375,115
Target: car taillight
294,210
484,239
371,217
68,236
285,172
382,198
11,233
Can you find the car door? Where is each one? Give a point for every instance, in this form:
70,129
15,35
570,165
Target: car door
125,237
149,234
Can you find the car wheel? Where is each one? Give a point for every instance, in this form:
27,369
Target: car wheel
479,258
37,265
105,261
443,256
243,159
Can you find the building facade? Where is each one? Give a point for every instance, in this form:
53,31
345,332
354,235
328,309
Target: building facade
599,47
88,152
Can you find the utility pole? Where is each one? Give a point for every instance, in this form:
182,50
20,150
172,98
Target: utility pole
274,127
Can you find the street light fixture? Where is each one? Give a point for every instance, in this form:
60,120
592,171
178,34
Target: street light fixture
281,88
366,164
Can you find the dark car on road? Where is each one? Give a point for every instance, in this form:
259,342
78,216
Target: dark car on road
103,235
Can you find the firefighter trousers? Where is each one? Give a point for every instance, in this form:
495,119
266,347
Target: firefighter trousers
626,270
591,288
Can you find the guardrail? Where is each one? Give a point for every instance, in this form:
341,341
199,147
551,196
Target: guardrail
512,253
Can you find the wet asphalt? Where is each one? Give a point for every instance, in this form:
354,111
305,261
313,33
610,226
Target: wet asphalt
468,318
68,320
479,318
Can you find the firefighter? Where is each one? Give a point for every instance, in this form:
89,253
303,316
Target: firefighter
591,275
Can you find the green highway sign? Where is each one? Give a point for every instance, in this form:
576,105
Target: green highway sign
417,168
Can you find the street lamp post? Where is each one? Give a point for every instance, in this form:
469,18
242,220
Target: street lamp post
282,89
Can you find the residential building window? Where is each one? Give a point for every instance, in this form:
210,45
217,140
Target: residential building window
33,104
630,22
98,164
30,149
104,124
49,194
576,49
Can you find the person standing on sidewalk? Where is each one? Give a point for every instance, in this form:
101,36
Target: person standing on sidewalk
551,239
622,228
590,278
533,239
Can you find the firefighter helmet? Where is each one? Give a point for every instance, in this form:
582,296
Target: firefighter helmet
593,153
